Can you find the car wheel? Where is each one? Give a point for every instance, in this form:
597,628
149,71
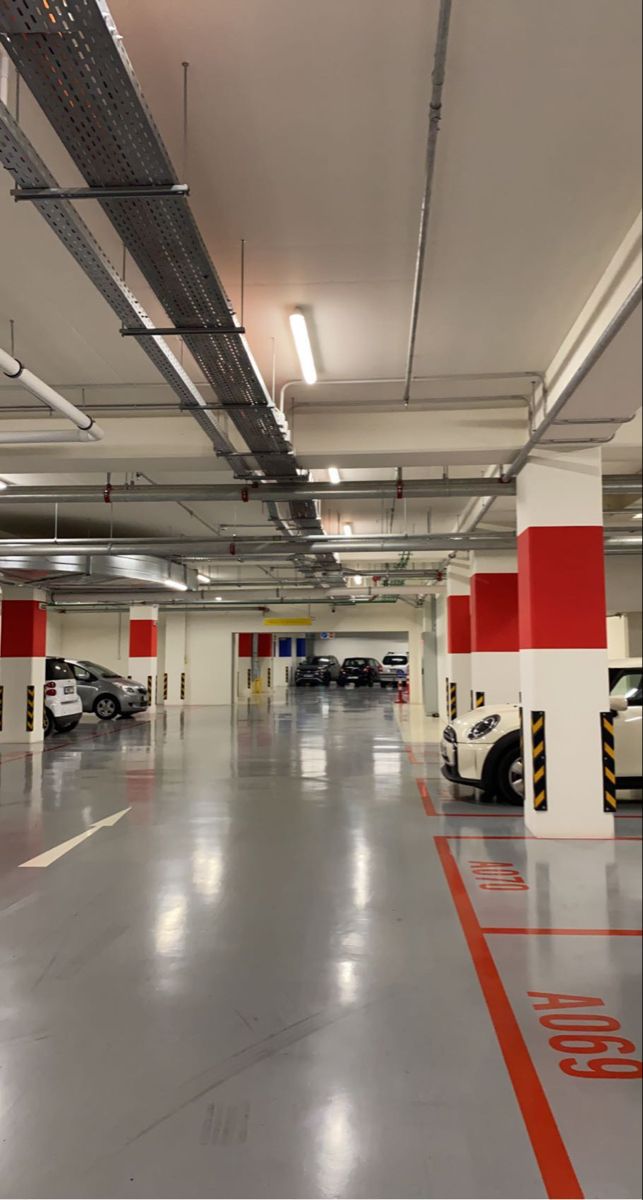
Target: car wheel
67,726
327,681
370,683
511,777
49,723
106,708
341,683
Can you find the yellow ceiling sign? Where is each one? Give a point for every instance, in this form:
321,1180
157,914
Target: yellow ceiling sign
287,622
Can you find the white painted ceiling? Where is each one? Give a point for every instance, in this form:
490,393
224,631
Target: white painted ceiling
306,137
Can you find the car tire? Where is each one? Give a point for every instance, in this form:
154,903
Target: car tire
510,773
370,683
67,726
341,683
326,682
49,723
107,708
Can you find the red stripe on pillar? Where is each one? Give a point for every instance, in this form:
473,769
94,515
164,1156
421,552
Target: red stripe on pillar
458,625
494,612
143,639
561,588
24,629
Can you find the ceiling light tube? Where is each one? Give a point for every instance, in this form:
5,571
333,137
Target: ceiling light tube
175,586
358,580
334,475
303,347
203,578
348,529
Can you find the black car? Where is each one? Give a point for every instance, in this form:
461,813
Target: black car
363,672
318,668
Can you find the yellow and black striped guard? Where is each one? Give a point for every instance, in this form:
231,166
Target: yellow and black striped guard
31,708
539,755
609,762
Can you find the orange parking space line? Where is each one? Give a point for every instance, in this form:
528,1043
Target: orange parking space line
553,1160
425,797
531,837
568,932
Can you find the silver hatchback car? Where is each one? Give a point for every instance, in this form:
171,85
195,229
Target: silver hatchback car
107,694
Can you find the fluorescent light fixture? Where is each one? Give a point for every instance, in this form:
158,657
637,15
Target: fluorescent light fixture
175,586
3,485
203,578
334,475
218,599
635,516
303,347
358,580
348,530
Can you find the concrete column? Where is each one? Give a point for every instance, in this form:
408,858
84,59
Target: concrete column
143,648
458,680
23,647
172,666
563,645
495,667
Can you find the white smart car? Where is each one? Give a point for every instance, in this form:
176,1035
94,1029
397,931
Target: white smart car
482,748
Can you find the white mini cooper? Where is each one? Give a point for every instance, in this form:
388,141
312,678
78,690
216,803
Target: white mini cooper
482,748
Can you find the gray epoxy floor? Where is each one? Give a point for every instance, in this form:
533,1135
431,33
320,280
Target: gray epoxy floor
256,983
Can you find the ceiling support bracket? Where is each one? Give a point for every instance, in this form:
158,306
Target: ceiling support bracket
184,331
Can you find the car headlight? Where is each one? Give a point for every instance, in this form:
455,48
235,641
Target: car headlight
131,691
485,726
449,734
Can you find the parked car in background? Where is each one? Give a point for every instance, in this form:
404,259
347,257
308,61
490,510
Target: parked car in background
395,667
63,705
363,672
106,693
317,668
482,748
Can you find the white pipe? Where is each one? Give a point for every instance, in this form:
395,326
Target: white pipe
4,78
86,427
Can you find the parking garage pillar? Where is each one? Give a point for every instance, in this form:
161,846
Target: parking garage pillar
172,664
569,781
23,646
143,648
458,680
495,668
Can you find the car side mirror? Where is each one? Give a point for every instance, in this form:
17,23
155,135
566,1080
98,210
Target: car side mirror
619,704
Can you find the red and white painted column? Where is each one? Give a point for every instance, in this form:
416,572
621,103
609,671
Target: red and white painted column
458,658
23,647
563,644
144,648
495,666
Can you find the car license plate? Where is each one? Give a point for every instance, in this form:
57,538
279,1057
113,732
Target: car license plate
69,691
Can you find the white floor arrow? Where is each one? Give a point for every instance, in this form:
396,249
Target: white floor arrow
56,852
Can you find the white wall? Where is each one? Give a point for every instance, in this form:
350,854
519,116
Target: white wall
104,637
624,583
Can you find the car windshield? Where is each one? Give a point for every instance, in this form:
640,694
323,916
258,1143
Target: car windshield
316,660
395,660
355,662
101,671
56,668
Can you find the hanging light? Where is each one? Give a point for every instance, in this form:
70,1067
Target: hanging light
303,347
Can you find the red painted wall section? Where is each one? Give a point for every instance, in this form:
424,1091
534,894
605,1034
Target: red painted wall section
143,639
24,629
265,645
458,625
494,612
245,645
561,588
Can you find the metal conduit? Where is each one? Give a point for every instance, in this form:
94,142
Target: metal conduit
234,492
248,548
435,114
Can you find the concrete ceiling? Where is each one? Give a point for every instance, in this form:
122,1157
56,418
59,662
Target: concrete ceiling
306,137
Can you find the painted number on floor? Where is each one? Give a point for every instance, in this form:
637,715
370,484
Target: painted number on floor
592,1038
498,877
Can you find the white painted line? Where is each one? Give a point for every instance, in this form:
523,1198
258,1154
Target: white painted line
51,856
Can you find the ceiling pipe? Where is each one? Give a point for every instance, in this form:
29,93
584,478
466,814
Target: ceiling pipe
246,549
234,492
86,429
435,115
